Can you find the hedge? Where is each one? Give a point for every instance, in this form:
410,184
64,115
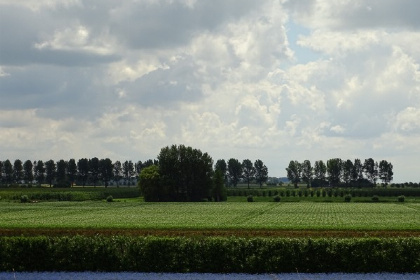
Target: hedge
209,254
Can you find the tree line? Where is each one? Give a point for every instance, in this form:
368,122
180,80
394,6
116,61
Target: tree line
65,173
337,171
187,174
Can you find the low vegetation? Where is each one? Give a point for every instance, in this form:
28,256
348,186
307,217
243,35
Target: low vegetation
205,215
210,254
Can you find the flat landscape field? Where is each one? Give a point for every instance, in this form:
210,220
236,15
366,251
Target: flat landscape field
228,218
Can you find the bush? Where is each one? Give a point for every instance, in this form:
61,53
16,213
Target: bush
110,198
277,198
375,198
250,198
347,198
24,198
401,198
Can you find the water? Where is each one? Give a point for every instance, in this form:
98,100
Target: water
200,276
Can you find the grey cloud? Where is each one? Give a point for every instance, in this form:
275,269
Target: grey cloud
166,87
146,25
56,92
21,29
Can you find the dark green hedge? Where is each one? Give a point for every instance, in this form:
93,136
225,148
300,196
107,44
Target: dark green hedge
69,194
212,254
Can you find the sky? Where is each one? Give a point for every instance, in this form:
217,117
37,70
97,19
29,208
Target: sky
271,80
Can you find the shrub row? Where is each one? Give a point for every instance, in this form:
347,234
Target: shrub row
211,254
327,192
79,194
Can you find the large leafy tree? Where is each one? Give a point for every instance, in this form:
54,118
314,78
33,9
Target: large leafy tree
370,168
261,172
106,170
334,168
71,170
50,169
294,172
28,173
83,170
17,170
186,173
307,172
234,168
8,171
248,171
150,184
385,172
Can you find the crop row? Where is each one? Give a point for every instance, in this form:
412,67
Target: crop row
228,215
212,254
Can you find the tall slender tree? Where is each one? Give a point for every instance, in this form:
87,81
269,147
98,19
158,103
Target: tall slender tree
261,172
348,168
370,168
357,173
39,172
117,172
294,172
222,166
72,170
1,172
50,169
234,168
17,171
61,170
320,170
219,190
106,170
128,171
334,168
307,173
28,174
385,172
94,170
83,170
8,171
248,171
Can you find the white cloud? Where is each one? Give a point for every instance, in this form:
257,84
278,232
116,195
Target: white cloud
408,120
123,79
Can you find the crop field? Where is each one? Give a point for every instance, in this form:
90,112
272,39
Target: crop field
263,216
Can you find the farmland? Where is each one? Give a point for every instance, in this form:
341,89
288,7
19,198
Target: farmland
131,235
270,216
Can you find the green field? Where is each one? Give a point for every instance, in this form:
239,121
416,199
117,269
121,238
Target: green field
220,216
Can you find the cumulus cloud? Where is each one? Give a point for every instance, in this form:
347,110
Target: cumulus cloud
123,79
